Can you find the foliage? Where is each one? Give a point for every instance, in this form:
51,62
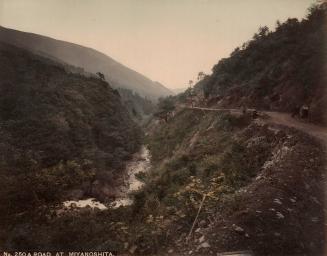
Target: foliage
59,131
139,107
196,155
165,108
275,69
48,115
85,59
100,75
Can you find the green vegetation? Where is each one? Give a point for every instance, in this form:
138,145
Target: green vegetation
139,107
165,107
59,132
86,60
276,69
192,161
195,154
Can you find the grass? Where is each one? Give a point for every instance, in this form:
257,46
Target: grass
188,166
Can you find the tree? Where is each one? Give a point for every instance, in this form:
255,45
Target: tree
245,45
278,24
201,75
263,31
317,10
190,82
101,76
165,108
206,92
256,36
236,50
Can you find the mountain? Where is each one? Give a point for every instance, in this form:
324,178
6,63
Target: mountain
59,132
275,70
219,181
89,59
179,90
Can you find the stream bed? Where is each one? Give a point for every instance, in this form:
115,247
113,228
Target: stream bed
139,163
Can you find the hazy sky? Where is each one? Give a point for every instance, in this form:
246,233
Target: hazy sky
169,41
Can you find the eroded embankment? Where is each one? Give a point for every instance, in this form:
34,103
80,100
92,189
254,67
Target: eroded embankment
263,182
262,186
281,210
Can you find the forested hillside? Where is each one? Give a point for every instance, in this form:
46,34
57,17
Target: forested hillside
275,70
139,107
89,59
213,179
59,132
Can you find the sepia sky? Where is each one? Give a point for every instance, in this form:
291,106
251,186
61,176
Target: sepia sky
169,41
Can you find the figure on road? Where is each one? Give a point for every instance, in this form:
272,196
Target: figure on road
304,112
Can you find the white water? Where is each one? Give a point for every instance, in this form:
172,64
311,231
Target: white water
139,163
91,202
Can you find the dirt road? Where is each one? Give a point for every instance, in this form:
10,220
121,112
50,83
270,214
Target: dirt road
319,132
285,119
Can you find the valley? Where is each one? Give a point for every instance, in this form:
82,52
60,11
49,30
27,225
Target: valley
96,157
140,163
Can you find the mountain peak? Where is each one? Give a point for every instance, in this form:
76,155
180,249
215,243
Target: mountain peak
118,75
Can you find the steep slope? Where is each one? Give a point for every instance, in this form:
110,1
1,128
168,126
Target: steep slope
87,58
275,70
59,131
259,185
140,108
